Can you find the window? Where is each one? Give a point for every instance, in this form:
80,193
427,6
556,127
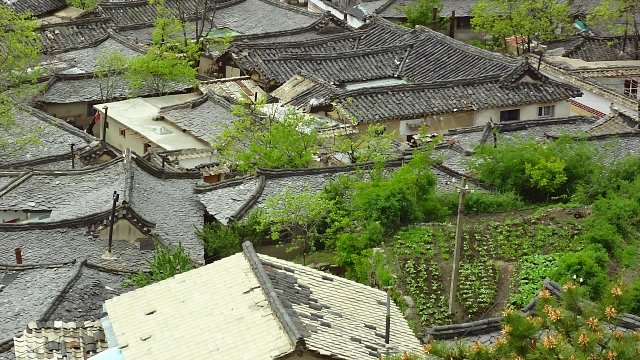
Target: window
631,88
510,115
546,111
90,110
123,132
146,147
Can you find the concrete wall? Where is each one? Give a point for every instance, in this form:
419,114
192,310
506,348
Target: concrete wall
76,111
207,66
131,140
614,83
122,230
527,112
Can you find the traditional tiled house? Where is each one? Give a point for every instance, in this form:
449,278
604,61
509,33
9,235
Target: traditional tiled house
604,68
283,310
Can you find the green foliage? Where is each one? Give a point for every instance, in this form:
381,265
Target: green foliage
589,266
482,202
634,291
373,145
618,16
159,70
565,329
20,44
259,139
420,12
110,63
537,170
604,234
477,285
300,215
219,240
532,271
82,4
539,20
164,264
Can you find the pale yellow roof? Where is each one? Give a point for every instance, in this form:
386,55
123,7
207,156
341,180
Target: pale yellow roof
218,311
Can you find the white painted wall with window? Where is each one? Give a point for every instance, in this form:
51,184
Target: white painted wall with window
526,112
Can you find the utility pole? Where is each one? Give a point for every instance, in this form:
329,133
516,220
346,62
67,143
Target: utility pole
458,249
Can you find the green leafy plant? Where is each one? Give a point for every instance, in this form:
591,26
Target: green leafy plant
164,264
531,273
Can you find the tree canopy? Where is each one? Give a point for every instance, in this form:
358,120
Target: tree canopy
260,138
620,17
420,12
539,20
20,46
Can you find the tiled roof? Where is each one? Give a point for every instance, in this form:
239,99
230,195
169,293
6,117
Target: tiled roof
417,101
205,117
176,318
326,25
60,340
303,89
432,56
595,48
72,88
86,60
140,13
274,305
36,7
73,35
263,16
616,122
54,137
62,193
337,317
233,89
29,296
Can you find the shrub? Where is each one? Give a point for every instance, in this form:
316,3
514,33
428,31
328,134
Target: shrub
602,233
590,265
219,240
164,264
481,202
536,170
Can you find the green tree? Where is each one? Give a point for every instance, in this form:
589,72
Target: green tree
420,12
260,138
619,16
373,145
110,64
299,215
164,264
82,4
20,46
159,70
539,20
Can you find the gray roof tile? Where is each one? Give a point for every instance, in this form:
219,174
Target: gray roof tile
205,118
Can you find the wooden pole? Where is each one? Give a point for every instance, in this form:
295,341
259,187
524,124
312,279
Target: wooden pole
452,24
458,248
434,18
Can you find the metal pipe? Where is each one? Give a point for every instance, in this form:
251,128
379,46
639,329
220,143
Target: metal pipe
116,196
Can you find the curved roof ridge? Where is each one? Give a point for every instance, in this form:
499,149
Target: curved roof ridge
342,54
278,309
54,121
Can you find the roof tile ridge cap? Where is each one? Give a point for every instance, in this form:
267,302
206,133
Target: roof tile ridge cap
125,41
205,188
88,20
292,8
426,86
64,289
28,266
54,121
346,53
269,291
252,199
15,183
467,47
287,44
189,104
383,7
84,170
311,26
309,76
123,3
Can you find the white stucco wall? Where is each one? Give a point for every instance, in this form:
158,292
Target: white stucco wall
527,112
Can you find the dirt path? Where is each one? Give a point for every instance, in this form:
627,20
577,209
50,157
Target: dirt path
505,270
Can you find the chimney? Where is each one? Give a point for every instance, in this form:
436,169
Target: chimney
452,24
18,256
434,19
